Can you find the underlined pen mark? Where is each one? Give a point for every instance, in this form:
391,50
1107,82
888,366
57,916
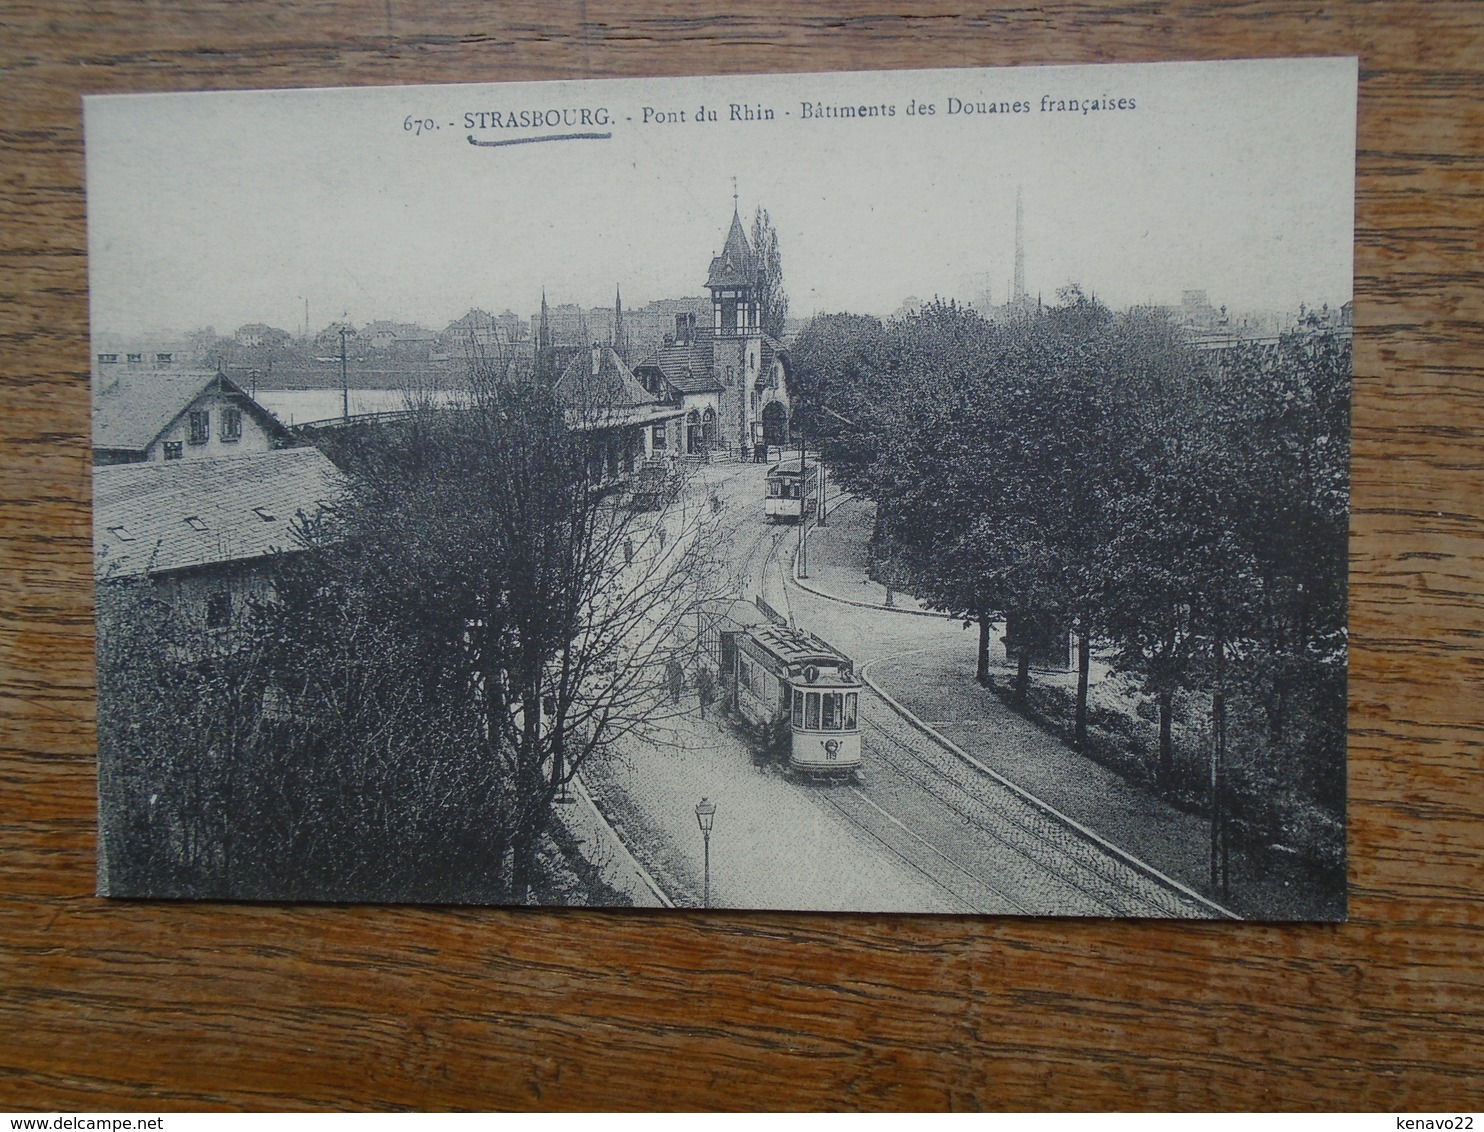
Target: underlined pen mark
548,138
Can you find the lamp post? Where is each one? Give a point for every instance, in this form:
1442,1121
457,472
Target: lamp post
705,815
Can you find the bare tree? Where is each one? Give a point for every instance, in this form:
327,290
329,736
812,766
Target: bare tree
539,607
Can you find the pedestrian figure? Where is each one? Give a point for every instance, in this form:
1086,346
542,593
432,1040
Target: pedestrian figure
663,537
705,687
674,679
628,551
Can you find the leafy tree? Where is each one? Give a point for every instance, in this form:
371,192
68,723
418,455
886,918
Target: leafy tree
773,299
178,729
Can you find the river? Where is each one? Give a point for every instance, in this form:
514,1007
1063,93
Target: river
297,406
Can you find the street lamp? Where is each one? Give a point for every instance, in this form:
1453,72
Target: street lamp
705,814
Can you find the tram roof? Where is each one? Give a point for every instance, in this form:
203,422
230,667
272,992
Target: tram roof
786,469
797,646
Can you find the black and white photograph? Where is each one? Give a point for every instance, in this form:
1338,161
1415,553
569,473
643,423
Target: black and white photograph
917,491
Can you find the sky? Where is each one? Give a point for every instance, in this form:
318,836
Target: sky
219,209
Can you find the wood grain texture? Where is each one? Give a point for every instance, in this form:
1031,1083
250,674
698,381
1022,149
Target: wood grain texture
159,1006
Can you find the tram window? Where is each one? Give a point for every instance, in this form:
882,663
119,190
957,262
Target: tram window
832,703
798,708
811,712
850,698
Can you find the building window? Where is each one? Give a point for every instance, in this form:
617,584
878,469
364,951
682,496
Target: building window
657,436
135,357
218,609
107,359
200,427
174,450
163,359
231,425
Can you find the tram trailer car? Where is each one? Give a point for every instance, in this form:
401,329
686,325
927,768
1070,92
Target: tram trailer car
784,487
785,678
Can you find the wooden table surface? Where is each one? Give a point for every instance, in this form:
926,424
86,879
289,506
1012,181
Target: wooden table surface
160,1006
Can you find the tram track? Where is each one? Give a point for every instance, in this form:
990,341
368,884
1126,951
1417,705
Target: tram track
1011,827
1139,888
921,855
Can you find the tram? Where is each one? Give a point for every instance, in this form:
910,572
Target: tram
785,486
788,682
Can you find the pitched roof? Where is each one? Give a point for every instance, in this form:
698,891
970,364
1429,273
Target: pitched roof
612,387
172,515
687,368
736,266
131,411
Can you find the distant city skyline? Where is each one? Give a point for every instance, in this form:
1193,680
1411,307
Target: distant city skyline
961,296
229,208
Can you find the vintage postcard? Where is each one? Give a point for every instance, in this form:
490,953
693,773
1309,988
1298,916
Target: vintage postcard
922,491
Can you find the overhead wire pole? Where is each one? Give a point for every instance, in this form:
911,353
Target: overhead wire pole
344,380
803,554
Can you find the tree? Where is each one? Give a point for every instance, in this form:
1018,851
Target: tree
178,732
772,299
529,604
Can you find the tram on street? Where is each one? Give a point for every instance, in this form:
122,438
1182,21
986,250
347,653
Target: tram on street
787,681
786,485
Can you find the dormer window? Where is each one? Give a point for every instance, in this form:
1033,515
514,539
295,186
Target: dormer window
266,515
123,534
163,359
196,523
200,427
107,359
135,357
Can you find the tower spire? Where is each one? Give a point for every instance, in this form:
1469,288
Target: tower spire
735,206
620,335
1018,288
542,359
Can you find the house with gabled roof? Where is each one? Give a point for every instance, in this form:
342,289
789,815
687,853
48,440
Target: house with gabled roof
204,533
158,415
